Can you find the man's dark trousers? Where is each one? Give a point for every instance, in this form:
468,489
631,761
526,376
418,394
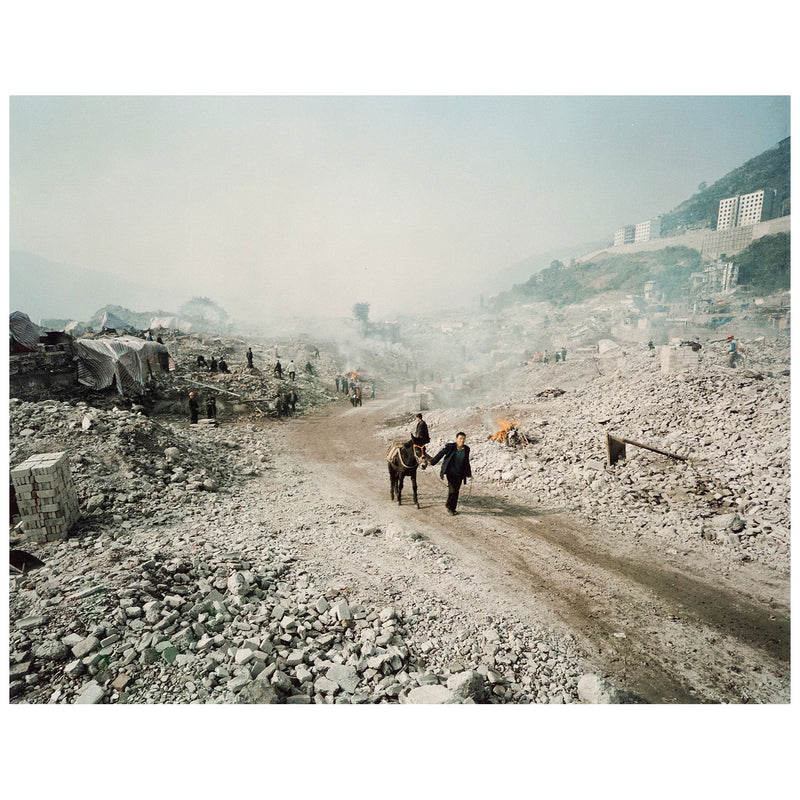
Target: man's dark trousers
453,488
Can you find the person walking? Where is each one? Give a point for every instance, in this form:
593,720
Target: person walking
290,370
194,408
292,398
278,371
249,355
733,351
455,467
337,384
211,406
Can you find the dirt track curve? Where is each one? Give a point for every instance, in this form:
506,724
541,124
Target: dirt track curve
665,628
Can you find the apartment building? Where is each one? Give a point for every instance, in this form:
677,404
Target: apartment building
640,232
649,229
624,235
728,213
743,209
751,207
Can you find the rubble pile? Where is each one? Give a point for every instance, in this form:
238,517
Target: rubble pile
734,426
123,462
184,619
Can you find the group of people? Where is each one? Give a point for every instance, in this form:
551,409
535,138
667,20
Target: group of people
286,401
352,388
454,456
544,358
213,366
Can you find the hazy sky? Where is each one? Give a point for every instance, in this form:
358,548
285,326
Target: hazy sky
314,203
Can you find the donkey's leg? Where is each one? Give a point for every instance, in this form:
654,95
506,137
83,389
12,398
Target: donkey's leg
392,482
400,479
414,487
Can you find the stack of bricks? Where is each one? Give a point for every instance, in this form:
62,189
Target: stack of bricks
46,496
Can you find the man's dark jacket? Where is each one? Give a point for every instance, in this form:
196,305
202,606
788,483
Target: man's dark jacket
448,451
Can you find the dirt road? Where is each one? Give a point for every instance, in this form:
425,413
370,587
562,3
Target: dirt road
665,628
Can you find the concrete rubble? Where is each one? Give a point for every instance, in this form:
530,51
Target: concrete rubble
153,599
733,492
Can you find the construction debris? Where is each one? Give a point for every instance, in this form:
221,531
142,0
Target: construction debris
615,448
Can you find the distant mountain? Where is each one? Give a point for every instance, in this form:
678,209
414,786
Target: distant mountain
769,171
44,289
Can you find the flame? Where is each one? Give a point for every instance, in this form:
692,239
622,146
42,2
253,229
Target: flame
505,426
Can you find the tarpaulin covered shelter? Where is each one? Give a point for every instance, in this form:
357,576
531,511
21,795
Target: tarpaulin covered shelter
126,359
24,333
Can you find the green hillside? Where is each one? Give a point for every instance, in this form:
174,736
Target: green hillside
770,170
563,285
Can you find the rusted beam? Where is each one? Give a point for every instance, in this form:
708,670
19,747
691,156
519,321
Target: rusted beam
615,449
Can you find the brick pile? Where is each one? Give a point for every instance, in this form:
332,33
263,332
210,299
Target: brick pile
48,502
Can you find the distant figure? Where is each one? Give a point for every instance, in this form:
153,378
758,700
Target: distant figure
563,353
278,371
734,355
201,362
193,409
163,360
650,345
159,339
558,356
213,364
290,370
249,355
316,352
211,406
149,337
292,398
223,366
345,386
372,396
337,383
308,368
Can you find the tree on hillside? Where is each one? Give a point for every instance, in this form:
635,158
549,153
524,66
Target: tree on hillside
203,311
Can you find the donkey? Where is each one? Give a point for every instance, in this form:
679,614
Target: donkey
404,460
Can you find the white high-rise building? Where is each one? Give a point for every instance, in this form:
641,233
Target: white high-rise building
743,209
649,229
624,235
750,208
728,213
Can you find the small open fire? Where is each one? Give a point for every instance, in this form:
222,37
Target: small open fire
509,434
